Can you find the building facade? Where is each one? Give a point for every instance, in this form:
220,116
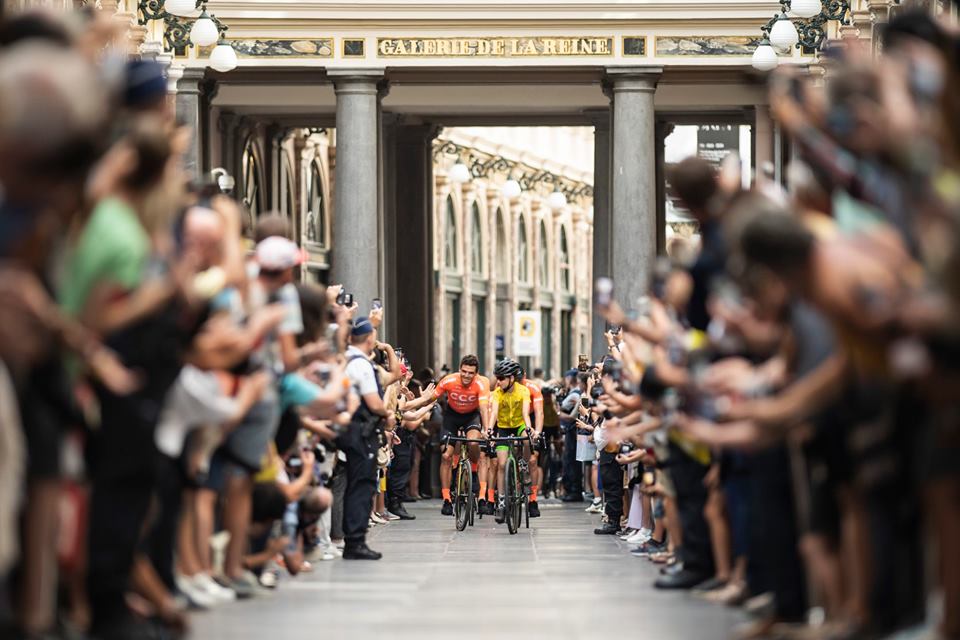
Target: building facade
334,114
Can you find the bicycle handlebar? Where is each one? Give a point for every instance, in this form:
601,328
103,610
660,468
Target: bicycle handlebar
466,440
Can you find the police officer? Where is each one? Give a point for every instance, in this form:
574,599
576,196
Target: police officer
361,440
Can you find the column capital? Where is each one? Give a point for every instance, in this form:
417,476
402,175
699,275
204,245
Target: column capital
356,81
190,81
634,79
599,117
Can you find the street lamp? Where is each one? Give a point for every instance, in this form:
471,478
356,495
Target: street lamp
805,8
183,8
784,34
223,58
510,189
459,173
185,22
557,200
204,31
765,57
807,30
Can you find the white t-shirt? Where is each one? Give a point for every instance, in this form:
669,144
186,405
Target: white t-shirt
361,372
196,399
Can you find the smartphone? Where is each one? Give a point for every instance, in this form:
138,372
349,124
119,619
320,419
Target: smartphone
648,478
583,362
348,299
376,304
340,296
603,292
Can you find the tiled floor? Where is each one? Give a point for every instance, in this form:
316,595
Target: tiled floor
554,580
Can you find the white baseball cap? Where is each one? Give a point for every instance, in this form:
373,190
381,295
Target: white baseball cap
277,253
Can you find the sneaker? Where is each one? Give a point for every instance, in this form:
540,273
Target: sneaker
377,518
212,587
482,506
389,517
197,597
587,495
501,511
242,586
639,537
627,532
533,509
608,529
269,579
447,509
649,548
595,507
320,554
401,513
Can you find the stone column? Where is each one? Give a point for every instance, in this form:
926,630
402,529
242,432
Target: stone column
356,246
411,172
189,97
602,231
633,182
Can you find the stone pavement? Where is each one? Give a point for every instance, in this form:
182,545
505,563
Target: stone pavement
555,580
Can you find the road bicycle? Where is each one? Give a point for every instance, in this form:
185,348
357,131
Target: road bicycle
517,477
463,497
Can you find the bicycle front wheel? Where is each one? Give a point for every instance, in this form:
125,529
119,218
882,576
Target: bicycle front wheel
512,496
464,494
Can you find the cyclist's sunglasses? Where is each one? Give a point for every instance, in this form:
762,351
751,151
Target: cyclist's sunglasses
501,377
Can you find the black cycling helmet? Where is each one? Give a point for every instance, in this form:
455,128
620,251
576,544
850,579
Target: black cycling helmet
506,367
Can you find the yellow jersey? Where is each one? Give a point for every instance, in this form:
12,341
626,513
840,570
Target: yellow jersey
510,406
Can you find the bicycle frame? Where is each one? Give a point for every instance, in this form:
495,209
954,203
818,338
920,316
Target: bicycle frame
464,501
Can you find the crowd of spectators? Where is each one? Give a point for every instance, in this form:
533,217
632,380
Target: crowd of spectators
776,422
183,420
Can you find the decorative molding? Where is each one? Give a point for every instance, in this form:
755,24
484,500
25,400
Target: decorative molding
264,48
633,46
353,48
706,45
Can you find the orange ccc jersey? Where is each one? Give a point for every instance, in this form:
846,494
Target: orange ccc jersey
463,399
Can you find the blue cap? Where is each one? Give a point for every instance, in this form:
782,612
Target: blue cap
144,83
361,327
571,373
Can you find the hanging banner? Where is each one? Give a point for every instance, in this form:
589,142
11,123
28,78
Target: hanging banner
526,333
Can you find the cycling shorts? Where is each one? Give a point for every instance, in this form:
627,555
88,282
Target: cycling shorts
501,432
459,423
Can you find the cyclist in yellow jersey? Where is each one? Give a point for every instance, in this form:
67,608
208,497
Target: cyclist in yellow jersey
510,413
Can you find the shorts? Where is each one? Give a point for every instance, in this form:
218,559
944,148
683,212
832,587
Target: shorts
459,423
507,432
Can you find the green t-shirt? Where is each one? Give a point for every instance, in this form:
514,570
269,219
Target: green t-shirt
113,247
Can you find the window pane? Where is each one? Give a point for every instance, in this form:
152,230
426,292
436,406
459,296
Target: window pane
450,237
522,252
476,242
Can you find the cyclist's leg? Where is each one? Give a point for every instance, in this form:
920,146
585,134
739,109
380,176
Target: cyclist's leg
446,460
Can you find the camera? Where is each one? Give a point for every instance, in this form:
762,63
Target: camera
603,292
344,299
626,448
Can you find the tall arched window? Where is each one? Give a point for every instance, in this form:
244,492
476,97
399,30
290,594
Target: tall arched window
564,260
250,167
523,251
503,250
544,257
450,236
289,197
476,241
316,226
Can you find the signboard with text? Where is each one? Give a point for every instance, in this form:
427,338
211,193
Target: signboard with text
526,333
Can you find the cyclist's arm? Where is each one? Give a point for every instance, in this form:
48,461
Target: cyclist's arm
494,413
538,416
526,413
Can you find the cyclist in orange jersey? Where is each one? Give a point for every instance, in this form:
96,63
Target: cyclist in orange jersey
466,413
